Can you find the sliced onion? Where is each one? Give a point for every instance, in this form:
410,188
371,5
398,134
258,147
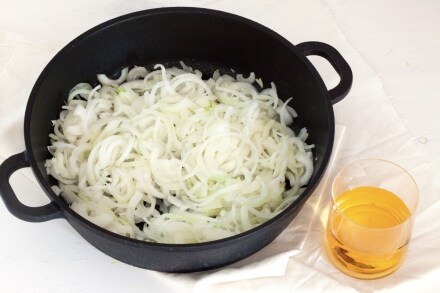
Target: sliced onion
166,156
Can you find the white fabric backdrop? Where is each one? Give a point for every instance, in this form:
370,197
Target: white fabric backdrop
392,47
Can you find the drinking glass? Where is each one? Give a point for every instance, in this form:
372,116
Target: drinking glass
371,218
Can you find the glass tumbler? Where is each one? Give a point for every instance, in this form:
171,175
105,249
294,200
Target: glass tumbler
371,218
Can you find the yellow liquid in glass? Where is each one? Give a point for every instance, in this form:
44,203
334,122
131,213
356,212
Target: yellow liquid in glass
365,237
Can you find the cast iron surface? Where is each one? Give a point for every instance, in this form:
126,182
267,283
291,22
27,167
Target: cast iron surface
206,40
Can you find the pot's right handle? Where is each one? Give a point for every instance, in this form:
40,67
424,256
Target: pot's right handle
21,211
337,61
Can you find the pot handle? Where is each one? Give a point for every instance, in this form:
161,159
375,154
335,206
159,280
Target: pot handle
21,211
337,61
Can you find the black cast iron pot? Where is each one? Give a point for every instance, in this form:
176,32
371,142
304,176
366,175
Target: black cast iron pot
206,40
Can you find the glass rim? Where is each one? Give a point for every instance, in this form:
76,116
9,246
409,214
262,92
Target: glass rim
407,220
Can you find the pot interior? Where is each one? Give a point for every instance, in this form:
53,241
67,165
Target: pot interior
205,40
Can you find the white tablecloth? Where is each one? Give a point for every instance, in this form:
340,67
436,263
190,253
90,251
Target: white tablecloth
391,112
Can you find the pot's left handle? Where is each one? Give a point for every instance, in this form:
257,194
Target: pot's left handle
21,211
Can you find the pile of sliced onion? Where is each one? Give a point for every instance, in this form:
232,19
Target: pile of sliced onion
168,157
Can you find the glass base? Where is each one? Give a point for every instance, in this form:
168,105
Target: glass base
356,270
